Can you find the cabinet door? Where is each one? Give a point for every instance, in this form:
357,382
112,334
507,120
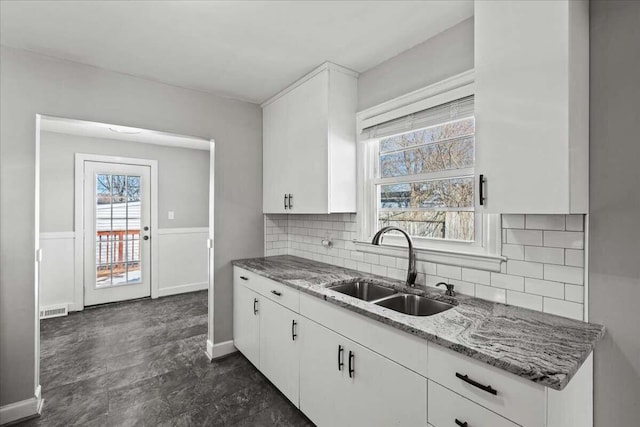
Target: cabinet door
246,322
307,162
322,380
275,174
522,84
279,358
381,392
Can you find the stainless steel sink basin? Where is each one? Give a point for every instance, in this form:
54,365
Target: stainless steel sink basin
363,290
414,305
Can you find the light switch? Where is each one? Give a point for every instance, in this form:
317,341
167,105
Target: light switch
171,215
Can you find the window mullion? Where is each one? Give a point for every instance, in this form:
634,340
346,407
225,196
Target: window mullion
433,176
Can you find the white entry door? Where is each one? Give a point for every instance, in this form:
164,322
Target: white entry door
117,220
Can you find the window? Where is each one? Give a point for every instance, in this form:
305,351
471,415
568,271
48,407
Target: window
423,176
417,172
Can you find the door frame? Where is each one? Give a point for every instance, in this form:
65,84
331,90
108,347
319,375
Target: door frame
78,221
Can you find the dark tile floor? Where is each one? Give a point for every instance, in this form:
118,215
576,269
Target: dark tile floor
143,363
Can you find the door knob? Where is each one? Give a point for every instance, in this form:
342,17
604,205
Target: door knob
146,228
146,237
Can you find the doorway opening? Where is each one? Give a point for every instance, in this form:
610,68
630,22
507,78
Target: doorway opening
122,214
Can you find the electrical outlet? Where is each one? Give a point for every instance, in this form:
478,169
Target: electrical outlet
172,215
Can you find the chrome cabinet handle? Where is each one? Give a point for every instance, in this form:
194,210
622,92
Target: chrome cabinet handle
340,361
293,330
255,306
286,201
244,278
290,201
481,182
276,292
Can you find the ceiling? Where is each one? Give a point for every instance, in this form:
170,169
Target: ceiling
120,133
247,50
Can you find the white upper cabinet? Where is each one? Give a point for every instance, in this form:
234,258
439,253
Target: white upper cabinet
309,144
531,105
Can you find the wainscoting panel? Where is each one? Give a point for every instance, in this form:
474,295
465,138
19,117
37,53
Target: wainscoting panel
57,275
182,260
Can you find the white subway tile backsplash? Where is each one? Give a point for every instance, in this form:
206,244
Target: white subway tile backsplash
476,276
544,270
387,261
357,256
491,294
544,254
513,251
449,271
372,258
525,268
524,237
574,257
380,270
564,239
563,308
574,293
515,283
512,221
544,287
575,223
545,222
426,268
463,287
561,273
521,299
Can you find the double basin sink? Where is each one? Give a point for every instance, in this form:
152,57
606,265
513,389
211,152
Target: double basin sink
414,305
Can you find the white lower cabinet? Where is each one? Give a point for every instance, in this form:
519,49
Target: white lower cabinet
299,342
514,397
447,408
345,384
322,374
279,347
246,322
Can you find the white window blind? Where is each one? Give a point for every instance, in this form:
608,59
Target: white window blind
422,119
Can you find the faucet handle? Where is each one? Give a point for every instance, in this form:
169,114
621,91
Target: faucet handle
450,292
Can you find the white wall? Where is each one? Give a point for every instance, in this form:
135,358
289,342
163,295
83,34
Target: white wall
183,179
32,84
444,55
614,254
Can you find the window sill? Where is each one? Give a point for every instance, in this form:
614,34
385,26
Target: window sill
460,259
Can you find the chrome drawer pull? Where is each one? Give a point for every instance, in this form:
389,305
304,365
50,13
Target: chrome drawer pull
276,292
462,423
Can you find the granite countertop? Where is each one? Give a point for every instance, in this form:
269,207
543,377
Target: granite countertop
543,348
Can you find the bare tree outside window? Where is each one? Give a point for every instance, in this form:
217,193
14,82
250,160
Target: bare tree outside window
441,206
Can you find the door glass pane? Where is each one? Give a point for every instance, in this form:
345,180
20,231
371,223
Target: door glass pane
118,216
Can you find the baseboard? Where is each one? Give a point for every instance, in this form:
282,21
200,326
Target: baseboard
220,349
182,289
27,408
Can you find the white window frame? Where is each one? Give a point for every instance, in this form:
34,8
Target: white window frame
484,251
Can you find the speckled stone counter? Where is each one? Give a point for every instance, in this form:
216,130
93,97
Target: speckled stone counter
541,347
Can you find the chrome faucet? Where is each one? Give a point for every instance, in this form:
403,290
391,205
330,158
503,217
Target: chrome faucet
411,272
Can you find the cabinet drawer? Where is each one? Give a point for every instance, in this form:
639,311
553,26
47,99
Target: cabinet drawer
282,294
515,398
447,408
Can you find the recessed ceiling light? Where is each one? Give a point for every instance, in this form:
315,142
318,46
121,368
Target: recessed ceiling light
125,130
